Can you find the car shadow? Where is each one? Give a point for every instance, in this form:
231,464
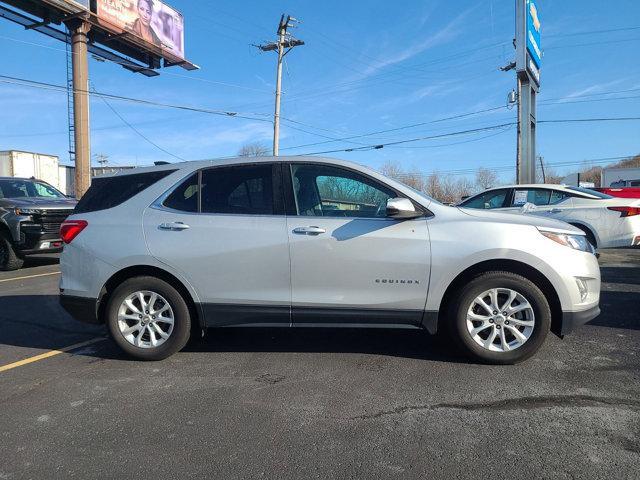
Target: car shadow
41,260
39,322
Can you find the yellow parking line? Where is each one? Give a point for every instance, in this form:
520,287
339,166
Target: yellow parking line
29,276
51,353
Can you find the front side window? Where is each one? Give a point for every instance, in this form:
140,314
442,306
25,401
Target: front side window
244,190
487,200
326,191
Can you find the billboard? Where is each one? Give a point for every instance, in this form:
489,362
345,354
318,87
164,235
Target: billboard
533,33
151,21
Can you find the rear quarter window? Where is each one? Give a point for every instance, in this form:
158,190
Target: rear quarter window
110,192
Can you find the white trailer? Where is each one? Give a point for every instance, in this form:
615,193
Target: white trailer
15,163
620,177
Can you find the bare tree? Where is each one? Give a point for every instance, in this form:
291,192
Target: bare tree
412,178
486,178
255,149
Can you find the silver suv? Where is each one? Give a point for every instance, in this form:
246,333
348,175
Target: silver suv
161,253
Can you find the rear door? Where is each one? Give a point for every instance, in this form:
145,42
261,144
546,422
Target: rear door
349,262
224,229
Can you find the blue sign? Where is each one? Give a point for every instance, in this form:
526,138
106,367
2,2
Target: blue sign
533,33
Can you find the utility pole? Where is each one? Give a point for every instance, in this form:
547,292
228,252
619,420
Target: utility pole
283,45
544,176
79,30
527,66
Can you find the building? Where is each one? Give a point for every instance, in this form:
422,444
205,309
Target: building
16,163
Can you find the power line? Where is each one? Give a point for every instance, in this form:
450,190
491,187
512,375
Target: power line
400,142
204,80
144,137
404,127
592,32
579,120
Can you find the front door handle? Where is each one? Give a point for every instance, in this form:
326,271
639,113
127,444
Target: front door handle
173,226
554,210
309,230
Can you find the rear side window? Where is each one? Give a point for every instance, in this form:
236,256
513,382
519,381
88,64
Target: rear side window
185,197
110,192
245,190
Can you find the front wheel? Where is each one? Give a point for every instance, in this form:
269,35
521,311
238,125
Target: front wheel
500,318
9,259
148,318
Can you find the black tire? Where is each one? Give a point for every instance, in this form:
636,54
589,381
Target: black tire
9,259
507,280
178,338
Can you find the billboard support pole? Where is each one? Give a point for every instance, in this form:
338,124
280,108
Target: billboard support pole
79,30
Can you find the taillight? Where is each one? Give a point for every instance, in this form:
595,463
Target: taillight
70,229
626,211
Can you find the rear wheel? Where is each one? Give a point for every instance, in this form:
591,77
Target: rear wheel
148,318
9,259
500,318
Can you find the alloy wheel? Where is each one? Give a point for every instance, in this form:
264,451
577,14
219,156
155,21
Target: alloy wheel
145,319
500,320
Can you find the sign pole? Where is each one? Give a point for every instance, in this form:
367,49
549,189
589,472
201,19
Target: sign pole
79,30
528,60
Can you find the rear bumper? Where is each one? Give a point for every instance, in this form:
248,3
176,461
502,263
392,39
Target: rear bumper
573,320
83,309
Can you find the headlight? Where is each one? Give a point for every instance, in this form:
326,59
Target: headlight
26,211
577,242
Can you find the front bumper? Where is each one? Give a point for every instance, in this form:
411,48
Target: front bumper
573,320
83,309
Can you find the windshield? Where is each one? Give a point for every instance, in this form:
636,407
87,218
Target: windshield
588,191
16,188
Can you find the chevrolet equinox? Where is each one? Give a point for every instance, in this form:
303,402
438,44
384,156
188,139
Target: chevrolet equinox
162,252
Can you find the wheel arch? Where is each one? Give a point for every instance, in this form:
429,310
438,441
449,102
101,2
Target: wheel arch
152,271
506,265
587,229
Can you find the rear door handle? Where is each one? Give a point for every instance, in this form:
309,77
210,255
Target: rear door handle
309,230
173,226
554,210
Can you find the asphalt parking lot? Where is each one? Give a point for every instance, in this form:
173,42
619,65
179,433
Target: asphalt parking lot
304,403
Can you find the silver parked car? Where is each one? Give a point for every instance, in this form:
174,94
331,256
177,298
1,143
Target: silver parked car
608,222
158,253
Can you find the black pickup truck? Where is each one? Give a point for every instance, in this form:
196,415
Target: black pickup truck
31,212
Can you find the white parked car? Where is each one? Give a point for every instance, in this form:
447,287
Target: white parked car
608,222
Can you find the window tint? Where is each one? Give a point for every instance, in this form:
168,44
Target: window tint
185,197
588,191
110,192
537,196
242,189
557,196
322,190
487,200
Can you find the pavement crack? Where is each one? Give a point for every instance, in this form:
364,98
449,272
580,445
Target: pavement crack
519,403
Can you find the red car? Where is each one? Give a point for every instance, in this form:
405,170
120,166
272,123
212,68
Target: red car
626,192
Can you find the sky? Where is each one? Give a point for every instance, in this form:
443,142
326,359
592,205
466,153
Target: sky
365,67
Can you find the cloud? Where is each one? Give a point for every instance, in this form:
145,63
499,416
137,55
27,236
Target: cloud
447,33
593,89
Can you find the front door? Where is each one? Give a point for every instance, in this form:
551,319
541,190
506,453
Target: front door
349,262
224,230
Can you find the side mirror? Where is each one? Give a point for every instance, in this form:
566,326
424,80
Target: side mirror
401,208
528,207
